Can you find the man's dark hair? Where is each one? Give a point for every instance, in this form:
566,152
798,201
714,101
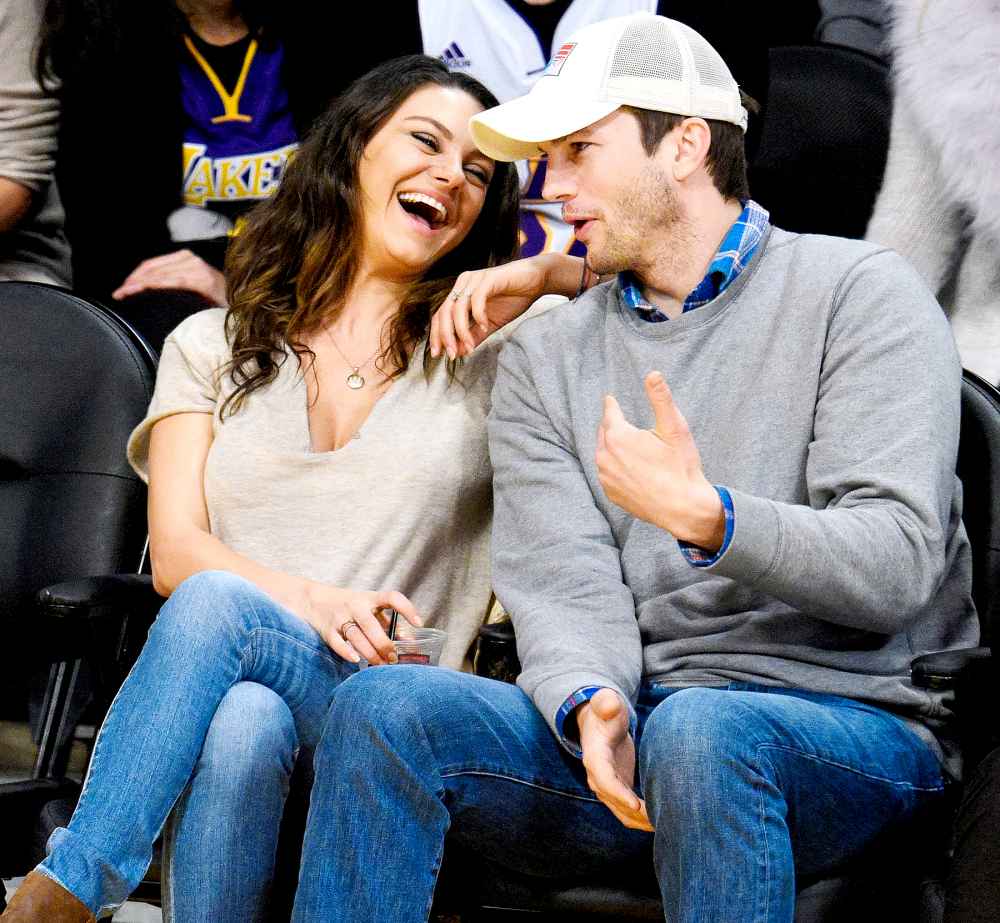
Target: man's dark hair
726,161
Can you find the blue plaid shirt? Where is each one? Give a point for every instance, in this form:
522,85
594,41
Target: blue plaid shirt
734,253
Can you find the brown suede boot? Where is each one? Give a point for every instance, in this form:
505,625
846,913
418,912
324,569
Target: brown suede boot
41,900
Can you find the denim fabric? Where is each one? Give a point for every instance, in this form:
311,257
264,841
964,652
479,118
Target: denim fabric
217,866
215,631
737,780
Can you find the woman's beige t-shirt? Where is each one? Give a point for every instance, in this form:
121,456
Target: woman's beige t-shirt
404,506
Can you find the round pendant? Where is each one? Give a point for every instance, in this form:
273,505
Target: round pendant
355,381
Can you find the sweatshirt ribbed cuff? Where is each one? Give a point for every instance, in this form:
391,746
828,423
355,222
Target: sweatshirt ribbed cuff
552,695
756,539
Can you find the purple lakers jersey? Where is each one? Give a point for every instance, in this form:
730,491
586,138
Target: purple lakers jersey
237,141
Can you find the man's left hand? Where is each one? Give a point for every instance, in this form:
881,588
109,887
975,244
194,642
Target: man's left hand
609,757
656,475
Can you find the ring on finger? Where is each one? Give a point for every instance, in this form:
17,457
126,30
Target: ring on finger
342,631
456,295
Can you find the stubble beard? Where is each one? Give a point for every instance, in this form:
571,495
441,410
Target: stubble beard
639,217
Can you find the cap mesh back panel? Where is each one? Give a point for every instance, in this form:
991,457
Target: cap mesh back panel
646,52
711,69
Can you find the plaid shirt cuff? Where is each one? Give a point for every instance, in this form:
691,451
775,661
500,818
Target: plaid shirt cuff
699,557
583,694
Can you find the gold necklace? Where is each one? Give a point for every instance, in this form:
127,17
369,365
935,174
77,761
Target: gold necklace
355,381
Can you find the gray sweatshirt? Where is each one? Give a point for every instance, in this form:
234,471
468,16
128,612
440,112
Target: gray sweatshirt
822,389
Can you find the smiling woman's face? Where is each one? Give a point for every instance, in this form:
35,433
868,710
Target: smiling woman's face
423,183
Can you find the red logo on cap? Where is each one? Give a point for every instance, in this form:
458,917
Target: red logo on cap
558,60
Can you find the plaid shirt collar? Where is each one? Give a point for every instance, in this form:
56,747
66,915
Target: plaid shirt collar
735,251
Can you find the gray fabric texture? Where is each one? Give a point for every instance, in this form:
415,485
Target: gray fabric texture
822,389
858,24
37,249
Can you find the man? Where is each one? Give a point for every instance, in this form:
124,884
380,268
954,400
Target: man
715,616
506,44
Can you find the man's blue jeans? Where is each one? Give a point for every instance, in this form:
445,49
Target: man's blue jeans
737,781
216,631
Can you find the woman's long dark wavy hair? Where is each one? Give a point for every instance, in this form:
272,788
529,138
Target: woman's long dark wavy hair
297,255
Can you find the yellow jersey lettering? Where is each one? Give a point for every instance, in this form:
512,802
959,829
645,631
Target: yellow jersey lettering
268,170
263,175
199,185
229,182
227,178
191,152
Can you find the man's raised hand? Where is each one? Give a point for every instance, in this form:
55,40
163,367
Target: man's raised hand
656,474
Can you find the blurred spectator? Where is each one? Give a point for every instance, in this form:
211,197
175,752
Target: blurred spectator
858,24
32,244
940,200
177,118
506,44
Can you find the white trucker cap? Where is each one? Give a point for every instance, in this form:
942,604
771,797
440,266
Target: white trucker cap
645,61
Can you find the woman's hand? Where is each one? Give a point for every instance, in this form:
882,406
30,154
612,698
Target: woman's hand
352,622
181,544
483,300
181,269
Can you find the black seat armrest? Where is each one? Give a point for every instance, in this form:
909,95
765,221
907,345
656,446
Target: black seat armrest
103,620
498,632
89,598
972,680
945,669
496,652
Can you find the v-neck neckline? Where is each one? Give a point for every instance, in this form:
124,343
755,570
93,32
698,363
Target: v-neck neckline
367,425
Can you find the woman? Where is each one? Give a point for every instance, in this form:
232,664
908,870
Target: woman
306,457
201,103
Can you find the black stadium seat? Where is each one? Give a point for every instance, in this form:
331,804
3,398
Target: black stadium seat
74,380
824,139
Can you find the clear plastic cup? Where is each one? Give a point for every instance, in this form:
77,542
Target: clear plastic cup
416,645
419,645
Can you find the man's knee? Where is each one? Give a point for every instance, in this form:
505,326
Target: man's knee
386,696
251,738
409,708
697,737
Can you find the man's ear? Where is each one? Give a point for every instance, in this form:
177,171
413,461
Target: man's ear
692,140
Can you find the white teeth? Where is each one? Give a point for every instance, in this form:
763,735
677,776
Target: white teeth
426,200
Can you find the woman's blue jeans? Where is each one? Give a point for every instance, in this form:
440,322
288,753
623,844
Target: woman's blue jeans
215,631
216,865
746,786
